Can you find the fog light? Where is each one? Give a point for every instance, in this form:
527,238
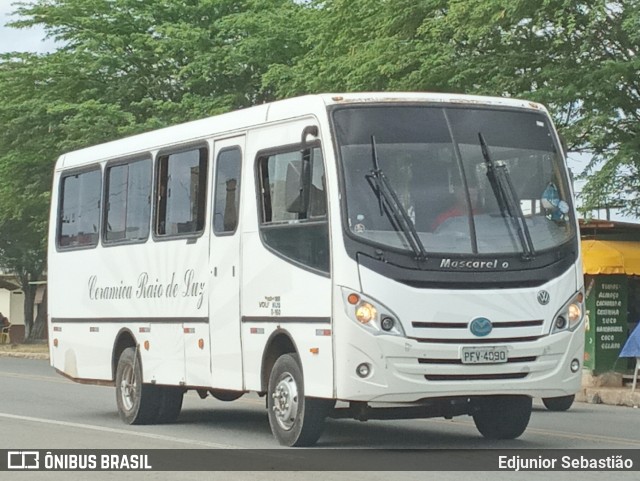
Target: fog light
575,365
363,370
387,323
561,322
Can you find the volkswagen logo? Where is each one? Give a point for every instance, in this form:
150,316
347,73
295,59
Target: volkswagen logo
480,326
543,297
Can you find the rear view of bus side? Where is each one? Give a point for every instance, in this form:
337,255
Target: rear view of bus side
368,256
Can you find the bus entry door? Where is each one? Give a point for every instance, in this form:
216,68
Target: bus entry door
224,300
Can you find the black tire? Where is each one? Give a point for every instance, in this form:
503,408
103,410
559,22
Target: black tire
561,403
502,417
138,403
170,403
295,420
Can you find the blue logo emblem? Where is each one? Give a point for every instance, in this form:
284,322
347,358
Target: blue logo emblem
480,326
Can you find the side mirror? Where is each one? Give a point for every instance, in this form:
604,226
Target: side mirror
309,130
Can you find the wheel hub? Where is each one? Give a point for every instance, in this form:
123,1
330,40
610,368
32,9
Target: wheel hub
128,388
285,401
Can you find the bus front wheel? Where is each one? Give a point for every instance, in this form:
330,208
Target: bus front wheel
502,417
295,420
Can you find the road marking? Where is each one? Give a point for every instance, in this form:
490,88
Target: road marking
92,427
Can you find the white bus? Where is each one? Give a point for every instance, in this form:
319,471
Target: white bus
368,256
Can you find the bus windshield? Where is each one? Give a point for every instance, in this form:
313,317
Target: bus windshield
473,180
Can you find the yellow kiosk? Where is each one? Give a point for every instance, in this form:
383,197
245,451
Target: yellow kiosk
611,263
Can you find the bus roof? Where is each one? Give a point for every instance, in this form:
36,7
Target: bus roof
271,112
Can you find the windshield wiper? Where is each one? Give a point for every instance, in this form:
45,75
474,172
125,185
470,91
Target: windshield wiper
507,198
390,204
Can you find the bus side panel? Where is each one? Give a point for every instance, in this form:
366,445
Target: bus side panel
197,354
147,288
279,296
163,362
276,294
84,341
89,359
171,290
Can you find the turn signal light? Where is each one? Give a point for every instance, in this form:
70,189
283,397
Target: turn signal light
353,299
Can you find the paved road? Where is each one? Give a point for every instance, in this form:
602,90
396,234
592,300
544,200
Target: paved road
42,410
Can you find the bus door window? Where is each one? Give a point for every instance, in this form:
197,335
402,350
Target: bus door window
227,191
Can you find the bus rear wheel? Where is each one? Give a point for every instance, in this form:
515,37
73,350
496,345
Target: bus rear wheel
138,403
502,417
295,420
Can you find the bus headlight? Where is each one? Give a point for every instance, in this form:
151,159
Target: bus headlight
575,313
371,315
365,312
570,316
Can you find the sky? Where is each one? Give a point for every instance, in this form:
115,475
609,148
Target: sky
20,40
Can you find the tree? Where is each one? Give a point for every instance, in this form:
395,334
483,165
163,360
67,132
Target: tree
579,57
124,66
173,61
19,254
127,66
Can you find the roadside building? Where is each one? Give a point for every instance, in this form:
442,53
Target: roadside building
12,305
611,262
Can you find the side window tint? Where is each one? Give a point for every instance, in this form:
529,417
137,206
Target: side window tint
317,192
79,212
280,174
128,207
227,191
275,170
182,187
294,217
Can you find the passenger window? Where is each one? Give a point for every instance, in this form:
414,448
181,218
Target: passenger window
182,188
79,211
294,222
128,197
227,191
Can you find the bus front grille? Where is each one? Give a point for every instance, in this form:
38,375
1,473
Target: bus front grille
475,377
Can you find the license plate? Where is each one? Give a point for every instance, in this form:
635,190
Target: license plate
484,355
